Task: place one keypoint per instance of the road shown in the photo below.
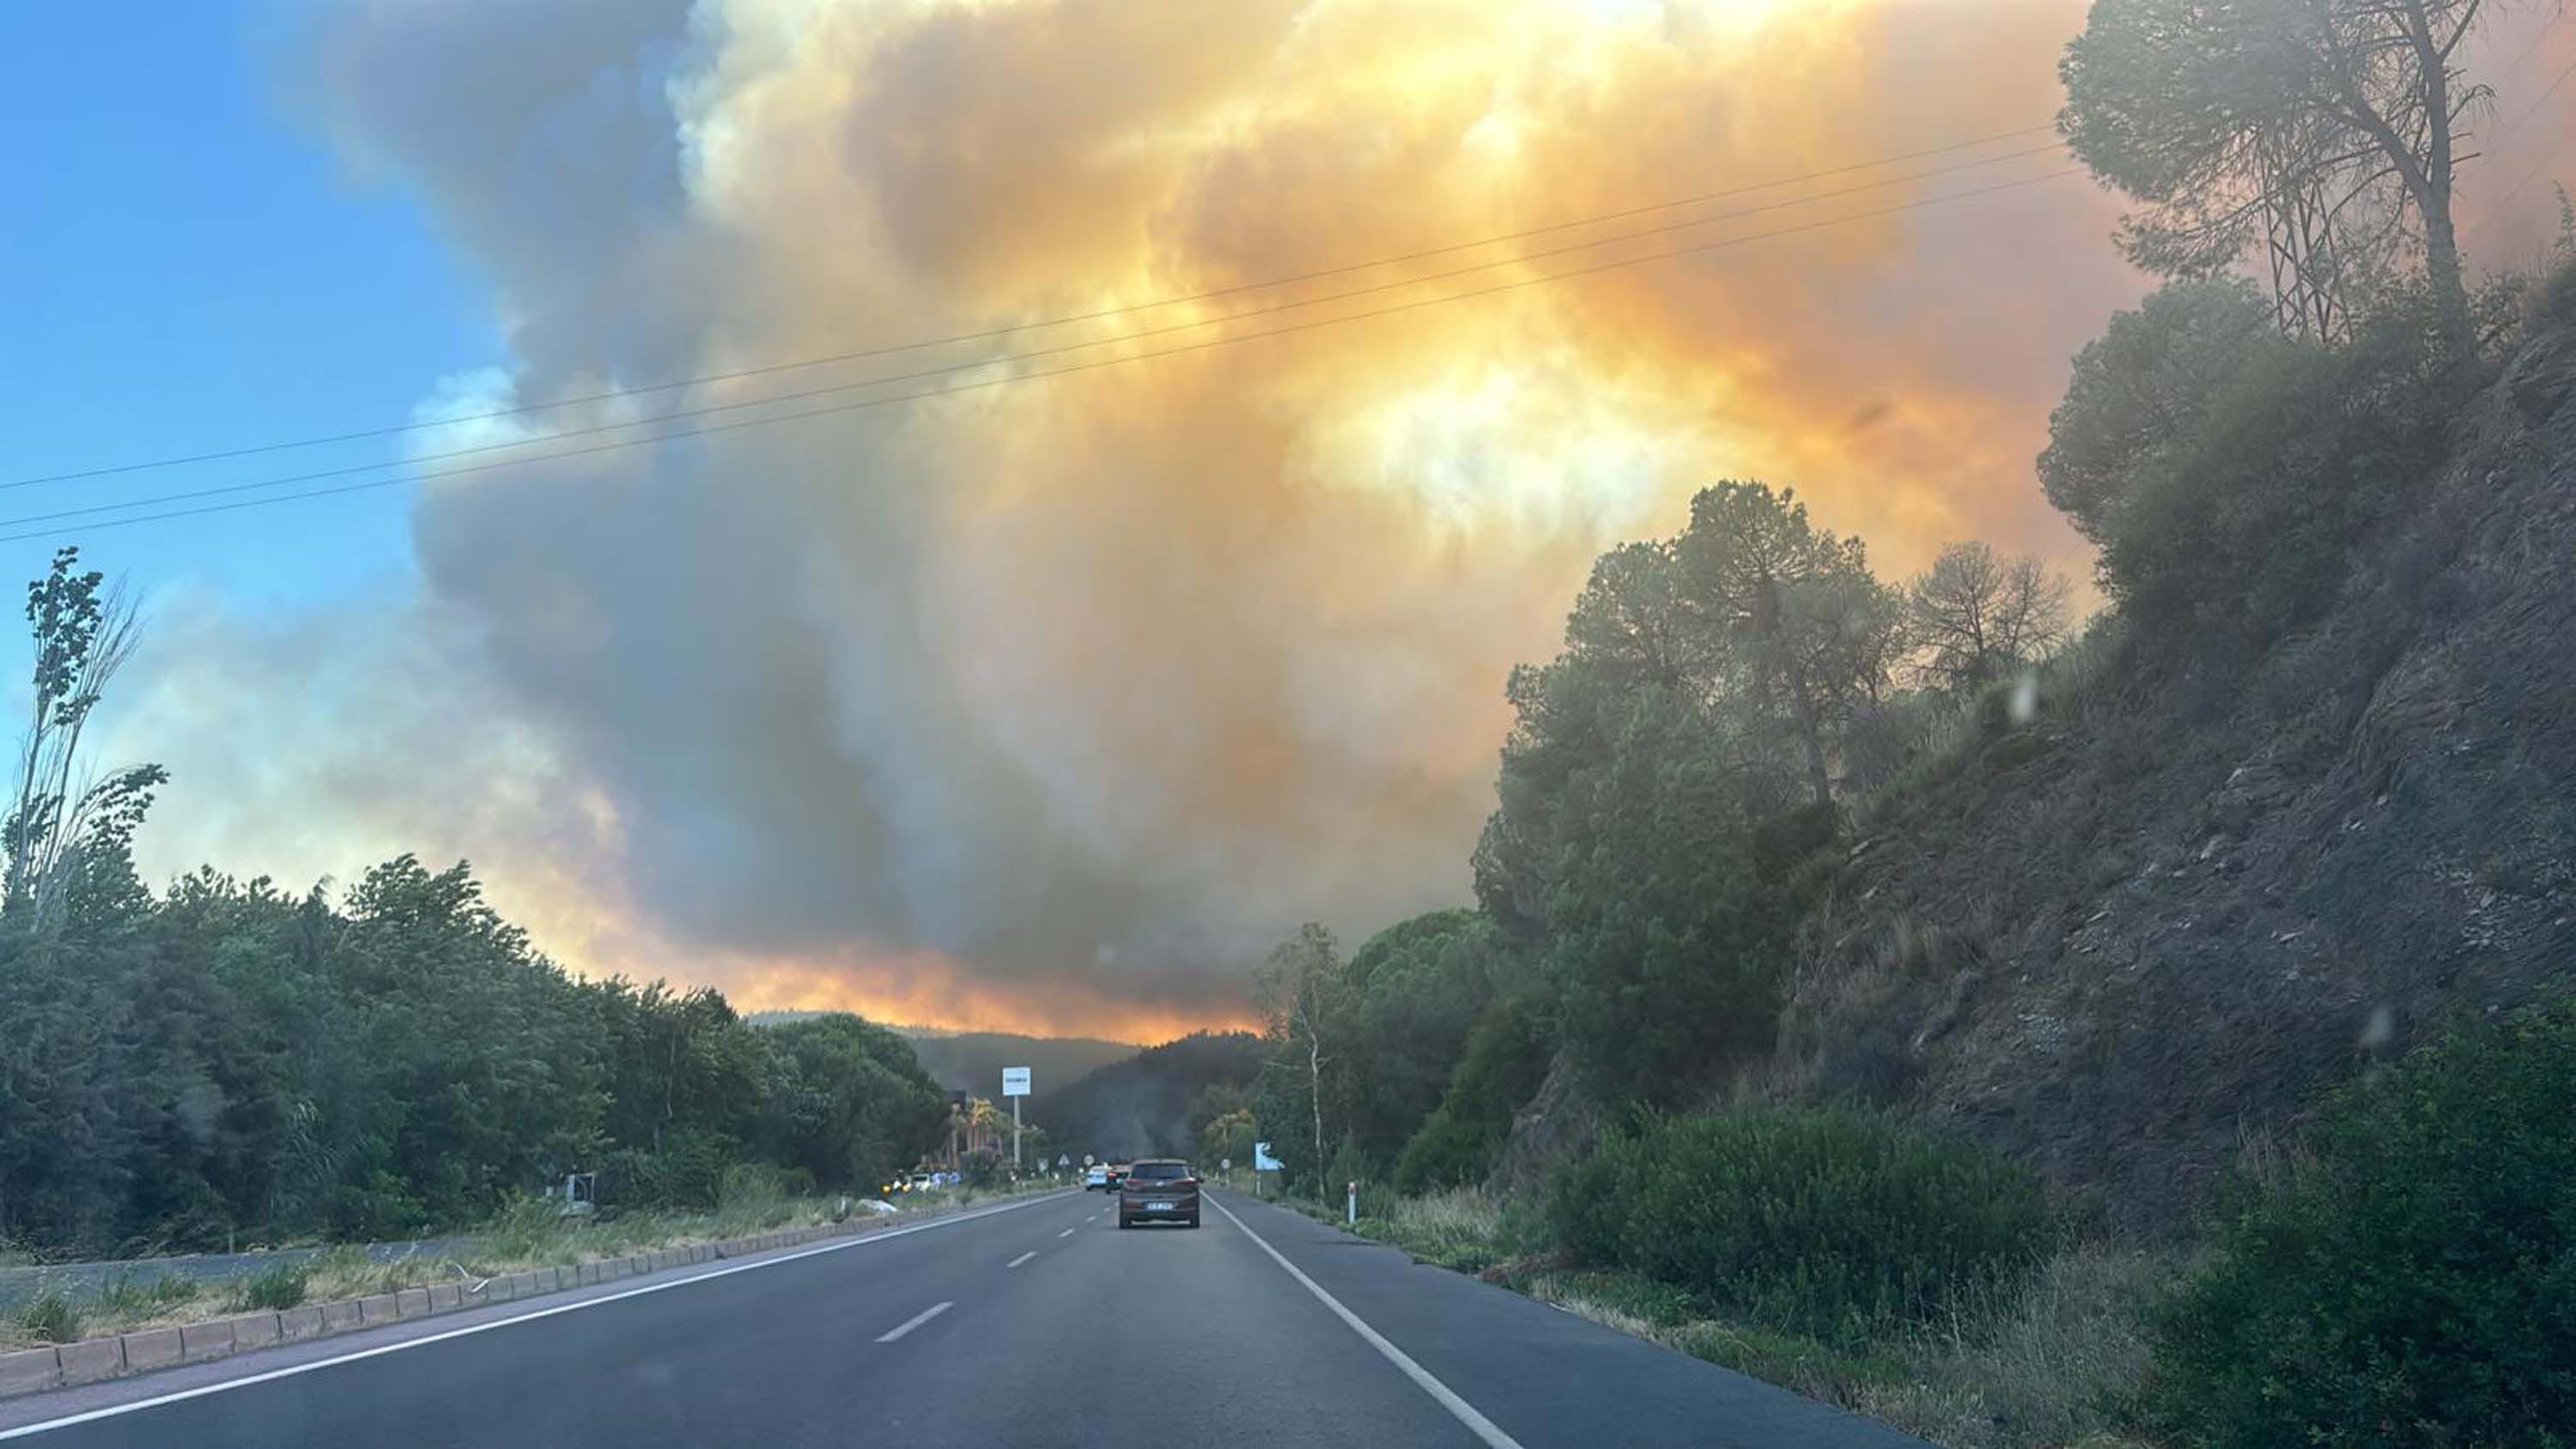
(1032, 1323)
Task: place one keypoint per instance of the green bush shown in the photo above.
(1835, 1223)
(687, 1173)
(2413, 1279)
(2224, 468)
(1500, 1069)
(278, 1286)
(129, 1293)
(1451, 1150)
(51, 1318)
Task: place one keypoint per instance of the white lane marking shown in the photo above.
(1459, 1409)
(1015, 1262)
(113, 1410)
(915, 1321)
(1068, 1232)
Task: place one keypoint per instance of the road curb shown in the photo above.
(124, 1355)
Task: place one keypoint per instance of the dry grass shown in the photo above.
(2046, 1363)
(2049, 1364)
(1461, 1228)
(527, 1237)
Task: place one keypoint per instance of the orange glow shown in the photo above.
(922, 989)
(1180, 650)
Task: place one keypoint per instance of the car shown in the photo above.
(1117, 1172)
(1158, 1190)
(1096, 1176)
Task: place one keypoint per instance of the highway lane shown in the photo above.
(1039, 1324)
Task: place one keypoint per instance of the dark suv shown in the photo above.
(1158, 1190)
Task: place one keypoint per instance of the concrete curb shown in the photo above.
(92, 1360)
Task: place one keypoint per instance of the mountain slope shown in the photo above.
(1141, 1106)
(2160, 917)
(972, 1061)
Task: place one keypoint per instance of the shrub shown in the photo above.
(688, 1172)
(1499, 1070)
(130, 1294)
(2224, 467)
(525, 1228)
(1450, 1150)
(280, 1285)
(1836, 1223)
(2413, 1279)
(51, 1318)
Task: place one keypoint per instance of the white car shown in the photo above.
(1095, 1177)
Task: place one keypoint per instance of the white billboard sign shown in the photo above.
(1262, 1161)
(1015, 1081)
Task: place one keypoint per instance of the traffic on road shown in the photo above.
(979, 1329)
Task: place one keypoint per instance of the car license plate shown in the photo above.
(1158, 1207)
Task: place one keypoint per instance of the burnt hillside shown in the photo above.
(2194, 886)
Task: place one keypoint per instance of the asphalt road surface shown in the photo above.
(1032, 1323)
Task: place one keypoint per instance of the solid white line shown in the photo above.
(113, 1410)
(1015, 1262)
(915, 1321)
(1459, 1409)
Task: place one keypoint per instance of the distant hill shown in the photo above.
(1139, 1107)
(972, 1061)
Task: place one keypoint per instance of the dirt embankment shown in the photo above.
(2161, 916)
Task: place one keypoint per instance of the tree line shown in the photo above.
(1670, 778)
(1678, 788)
(1676, 776)
(225, 1062)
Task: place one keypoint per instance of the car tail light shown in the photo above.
(1188, 1182)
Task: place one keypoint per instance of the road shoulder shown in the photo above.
(1480, 1340)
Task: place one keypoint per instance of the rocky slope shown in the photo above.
(2155, 918)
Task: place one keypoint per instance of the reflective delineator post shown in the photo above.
(1351, 1206)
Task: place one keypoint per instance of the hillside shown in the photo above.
(1142, 1106)
(2117, 941)
(972, 1061)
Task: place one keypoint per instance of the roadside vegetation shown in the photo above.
(225, 1063)
(529, 1233)
(1654, 1074)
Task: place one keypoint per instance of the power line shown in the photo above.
(836, 389)
(2518, 122)
(929, 393)
(2538, 166)
(614, 394)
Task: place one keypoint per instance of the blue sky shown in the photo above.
(186, 267)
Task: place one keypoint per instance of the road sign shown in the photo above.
(1225, 1164)
(1063, 1161)
(1262, 1161)
(1015, 1081)
(1086, 1159)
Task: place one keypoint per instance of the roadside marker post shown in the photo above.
(1351, 1206)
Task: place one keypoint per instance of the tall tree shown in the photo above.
(1803, 633)
(83, 631)
(1300, 992)
(1977, 614)
(2317, 130)
(2142, 391)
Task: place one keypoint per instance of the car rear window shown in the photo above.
(1161, 1170)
